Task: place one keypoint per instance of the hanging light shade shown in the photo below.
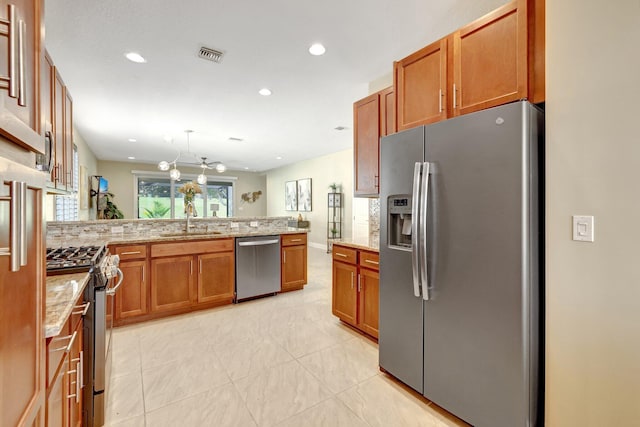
(220, 167)
(202, 179)
(164, 165)
(174, 173)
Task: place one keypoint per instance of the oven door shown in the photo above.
(103, 328)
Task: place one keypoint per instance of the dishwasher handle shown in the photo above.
(259, 242)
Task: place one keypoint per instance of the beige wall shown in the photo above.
(593, 167)
(121, 184)
(336, 167)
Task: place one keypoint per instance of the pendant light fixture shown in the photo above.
(174, 173)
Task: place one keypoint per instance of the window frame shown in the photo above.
(140, 174)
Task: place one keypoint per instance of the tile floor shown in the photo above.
(277, 361)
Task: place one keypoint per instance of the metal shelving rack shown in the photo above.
(335, 201)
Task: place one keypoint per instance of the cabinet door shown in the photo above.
(387, 111)
(369, 301)
(171, 283)
(59, 163)
(420, 82)
(345, 293)
(57, 412)
(22, 344)
(294, 267)
(75, 380)
(216, 277)
(490, 60)
(20, 114)
(366, 145)
(131, 298)
(68, 140)
(46, 103)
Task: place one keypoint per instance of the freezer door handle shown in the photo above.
(415, 220)
(424, 207)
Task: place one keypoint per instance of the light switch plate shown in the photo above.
(583, 228)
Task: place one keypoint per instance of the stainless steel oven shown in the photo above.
(106, 277)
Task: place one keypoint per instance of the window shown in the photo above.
(67, 206)
(158, 197)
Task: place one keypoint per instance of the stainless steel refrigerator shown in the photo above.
(460, 278)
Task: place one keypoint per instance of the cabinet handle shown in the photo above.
(130, 253)
(376, 181)
(71, 339)
(143, 269)
(352, 280)
(296, 240)
(17, 218)
(22, 34)
(454, 96)
(440, 100)
(200, 268)
(84, 307)
(284, 257)
(339, 254)
(76, 382)
(359, 276)
(191, 267)
(371, 262)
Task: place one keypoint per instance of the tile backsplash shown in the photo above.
(374, 220)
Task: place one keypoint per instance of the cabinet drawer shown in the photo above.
(191, 247)
(130, 252)
(369, 260)
(294, 239)
(344, 254)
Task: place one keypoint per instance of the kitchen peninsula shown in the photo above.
(169, 271)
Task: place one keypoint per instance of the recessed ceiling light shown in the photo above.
(233, 138)
(131, 158)
(135, 57)
(132, 140)
(317, 49)
(278, 158)
(264, 91)
(339, 128)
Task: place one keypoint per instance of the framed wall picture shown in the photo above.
(290, 196)
(304, 195)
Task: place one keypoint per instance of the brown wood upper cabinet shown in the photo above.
(421, 86)
(490, 60)
(20, 49)
(374, 117)
(496, 59)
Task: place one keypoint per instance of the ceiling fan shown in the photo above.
(175, 173)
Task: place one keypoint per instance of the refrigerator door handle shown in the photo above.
(424, 206)
(415, 220)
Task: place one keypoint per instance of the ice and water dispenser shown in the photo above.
(399, 222)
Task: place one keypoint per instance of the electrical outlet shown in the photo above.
(253, 224)
(235, 225)
(117, 230)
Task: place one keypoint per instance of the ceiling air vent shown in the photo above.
(210, 54)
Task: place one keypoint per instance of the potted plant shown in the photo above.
(190, 189)
(107, 209)
(333, 186)
(334, 232)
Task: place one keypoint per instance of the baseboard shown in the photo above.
(318, 245)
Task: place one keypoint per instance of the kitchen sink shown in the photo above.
(190, 233)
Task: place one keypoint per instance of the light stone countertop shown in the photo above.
(364, 244)
(154, 237)
(62, 293)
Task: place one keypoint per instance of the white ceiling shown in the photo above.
(266, 45)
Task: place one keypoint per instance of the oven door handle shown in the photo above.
(112, 291)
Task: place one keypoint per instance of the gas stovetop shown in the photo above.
(74, 259)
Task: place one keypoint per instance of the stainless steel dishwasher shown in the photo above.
(257, 266)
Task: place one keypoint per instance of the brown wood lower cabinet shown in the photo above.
(171, 283)
(294, 261)
(216, 277)
(355, 298)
